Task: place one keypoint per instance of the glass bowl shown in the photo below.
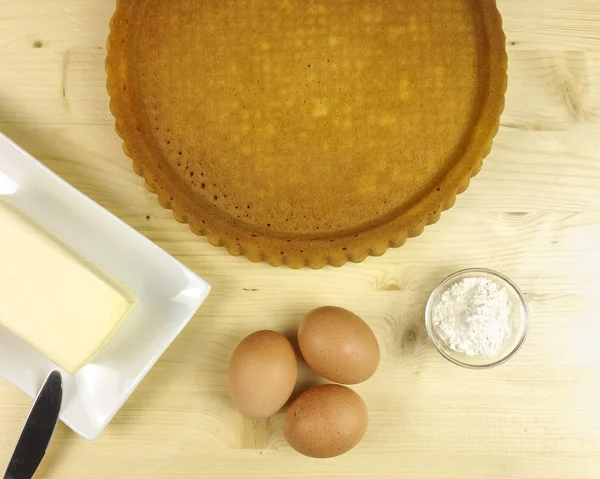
(519, 319)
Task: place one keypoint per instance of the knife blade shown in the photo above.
(38, 430)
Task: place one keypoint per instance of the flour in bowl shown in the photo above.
(473, 317)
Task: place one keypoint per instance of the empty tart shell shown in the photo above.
(307, 133)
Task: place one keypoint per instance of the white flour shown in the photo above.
(473, 317)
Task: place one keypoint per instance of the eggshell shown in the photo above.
(338, 345)
(262, 374)
(326, 421)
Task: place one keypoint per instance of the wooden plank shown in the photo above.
(553, 25)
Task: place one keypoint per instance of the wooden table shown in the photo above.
(533, 213)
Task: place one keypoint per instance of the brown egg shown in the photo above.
(326, 421)
(262, 374)
(338, 345)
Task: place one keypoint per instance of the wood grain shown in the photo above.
(533, 213)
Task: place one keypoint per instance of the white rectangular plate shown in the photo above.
(168, 293)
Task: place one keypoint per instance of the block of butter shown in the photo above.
(52, 297)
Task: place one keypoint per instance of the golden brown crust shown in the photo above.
(298, 251)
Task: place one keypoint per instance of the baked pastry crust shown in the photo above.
(370, 119)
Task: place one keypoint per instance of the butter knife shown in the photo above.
(38, 430)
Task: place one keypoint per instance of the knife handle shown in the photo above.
(38, 430)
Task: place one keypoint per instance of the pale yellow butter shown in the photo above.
(52, 298)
